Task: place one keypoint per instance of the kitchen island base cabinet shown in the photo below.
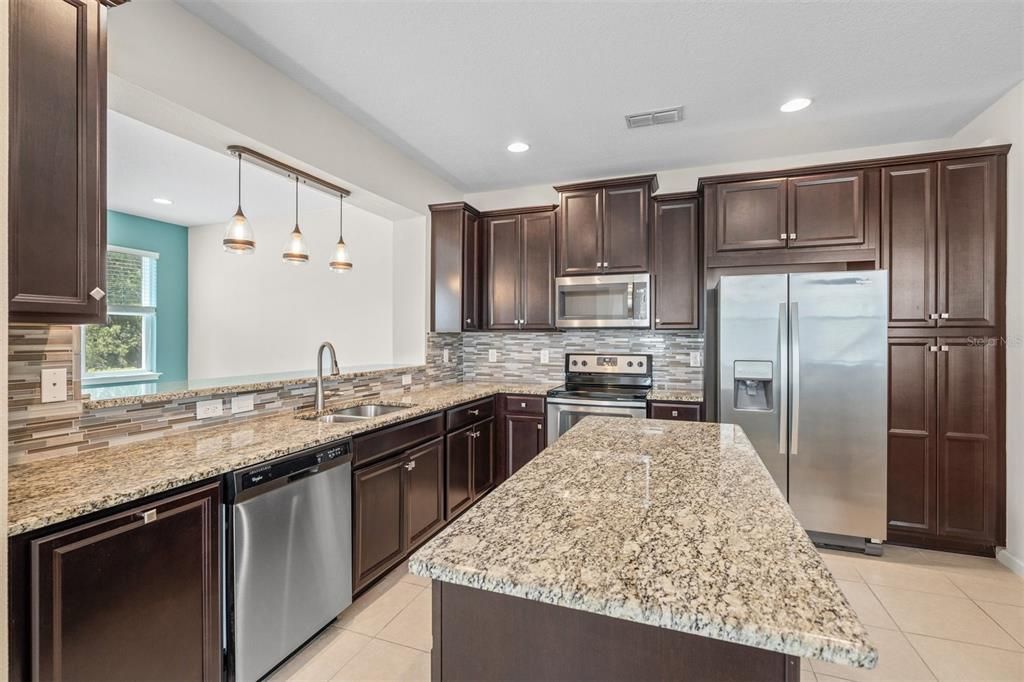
(481, 635)
(132, 596)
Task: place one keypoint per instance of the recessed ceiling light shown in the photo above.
(162, 201)
(795, 105)
(518, 147)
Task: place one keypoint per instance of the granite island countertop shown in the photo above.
(671, 524)
(54, 490)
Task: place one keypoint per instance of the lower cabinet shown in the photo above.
(690, 412)
(944, 478)
(524, 439)
(132, 596)
(424, 491)
(471, 465)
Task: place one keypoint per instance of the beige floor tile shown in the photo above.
(411, 627)
(829, 678)
(1011, 618)
(938, 615)
(907, 577)
(805, 664)
(1002, 589)
(342, 647)
(842, 567)
(304, 655)
(375, 609)
(417, 580)
(965, 563)
(866, 604)
(380, 660)
(953, 661)
(897, 660)
(807, 675)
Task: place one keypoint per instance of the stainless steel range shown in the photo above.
(596, 384)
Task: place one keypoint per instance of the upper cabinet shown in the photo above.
(751, 215)
(825, 210)
(604, 226)
(678, 283)
(57, 183)
(519, 260)
(943, 226)
(456, 268)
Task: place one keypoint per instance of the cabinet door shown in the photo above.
(503, 271)
(126, 598)
(751, 215)
(459, 471)
(484, 469)
(524, 439)
(625, 229)
(826, 209)
(424, 491)
(968, 398)
(908, 243)
(58, 110)
(472, 273)
(579, 233)
(537, 231)
(677, 289)
(967, 234)
(912, 464)
(379, 540)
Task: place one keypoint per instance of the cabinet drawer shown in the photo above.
(374, 446)
(689, 412)
(525, 404)
(469, 413)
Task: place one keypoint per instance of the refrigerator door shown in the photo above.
(752, 364)
(837, 463)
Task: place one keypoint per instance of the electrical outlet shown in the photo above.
(545, 357)
(243, 403)
(492, 355)
(696, 358)
(444, 356)
(54, 385)
(209, 408)
(406, 379)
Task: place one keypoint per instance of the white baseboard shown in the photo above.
(1012, 562)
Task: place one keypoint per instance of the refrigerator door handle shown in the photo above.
(782, 379)
(794, 340)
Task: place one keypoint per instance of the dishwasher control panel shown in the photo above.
(308, 461)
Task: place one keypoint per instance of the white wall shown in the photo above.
(1001, 123)
(257, 315)
(410, 287)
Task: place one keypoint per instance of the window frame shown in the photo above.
(148, 315)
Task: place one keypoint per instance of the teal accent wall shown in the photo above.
(171, 242)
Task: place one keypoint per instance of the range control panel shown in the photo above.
(594, 363)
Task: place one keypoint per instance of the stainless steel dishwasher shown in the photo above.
(290, 564)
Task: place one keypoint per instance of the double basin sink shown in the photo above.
(359, 413)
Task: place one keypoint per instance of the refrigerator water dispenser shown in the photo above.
(753, 388)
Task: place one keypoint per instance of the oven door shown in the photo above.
(563, 415)
(603, 301)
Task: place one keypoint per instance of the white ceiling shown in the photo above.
(453, 83)
(144, 162)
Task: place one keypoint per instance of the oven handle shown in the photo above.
(597, 403)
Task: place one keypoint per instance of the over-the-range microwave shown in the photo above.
(603, 301)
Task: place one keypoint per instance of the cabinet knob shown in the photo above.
(522, 404)
(540, 427)
(148, 516)
(933, 349)
(604, 264)
(944, 316)
(792, 235)
(933, 316)
(782, 236)
(598, 263)
(944, 349)
(469, 320)
(657, 320)
(410, 466)
(97, 293)
(675, 413)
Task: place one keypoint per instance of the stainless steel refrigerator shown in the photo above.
(802, 367)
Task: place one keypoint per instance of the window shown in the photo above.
(124, 349)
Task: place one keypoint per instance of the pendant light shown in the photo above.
(295, 251)
(340, 262)
(238, 236)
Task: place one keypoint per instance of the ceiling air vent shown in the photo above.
(653, 118)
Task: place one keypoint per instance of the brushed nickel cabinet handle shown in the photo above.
(148, 516)
(474, 412)
(97, 293)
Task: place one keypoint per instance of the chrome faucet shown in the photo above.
(319, 400)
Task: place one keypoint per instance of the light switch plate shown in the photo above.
(209, 408)
(444, 356)
(243, 403)
(406, 379)
(696, 358)
(545, 357)
(492, 355)
(54, 385)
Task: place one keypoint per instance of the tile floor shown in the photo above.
(932, 615)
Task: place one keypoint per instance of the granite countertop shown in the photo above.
(672, 524)
(55, 490)
(678, 395)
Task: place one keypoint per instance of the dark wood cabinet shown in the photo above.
(524, 440)
(520, 263)
(459, 471)
(424, 491)
(908, 243)
(484, 469)
(379, 538)
(131, 596)
(678, 281)
(456, 268)
(684, 412)
(825, 209)
(751, 215)
(57, 203)
(604, 226)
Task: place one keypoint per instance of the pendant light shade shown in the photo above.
(295, 251)
(340, 262)
(238, 236)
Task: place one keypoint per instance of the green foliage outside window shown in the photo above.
(118, 345)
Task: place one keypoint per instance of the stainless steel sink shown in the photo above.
(360, 412)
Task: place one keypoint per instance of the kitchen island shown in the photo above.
(636, 549)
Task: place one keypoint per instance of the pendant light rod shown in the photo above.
(280, 168)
